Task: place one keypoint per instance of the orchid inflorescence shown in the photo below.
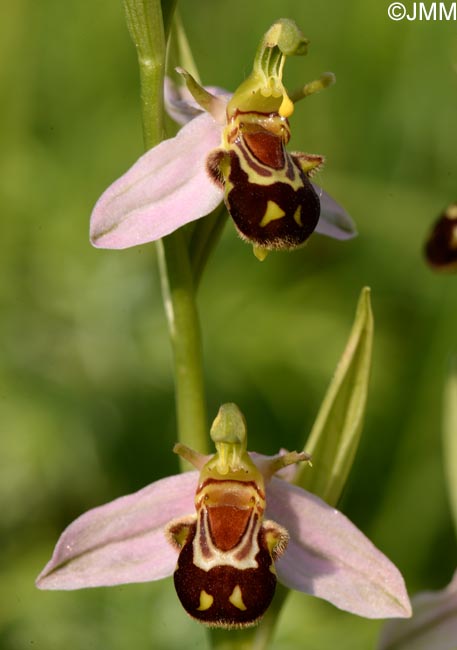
(238, 523)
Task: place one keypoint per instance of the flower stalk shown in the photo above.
(145, 23)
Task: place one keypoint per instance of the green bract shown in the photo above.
(336, 432)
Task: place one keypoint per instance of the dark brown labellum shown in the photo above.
(225, 575)
(267, 191)
(225, 596)
(275, 216)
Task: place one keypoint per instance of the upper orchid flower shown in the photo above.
(229, 555)
(232, 149)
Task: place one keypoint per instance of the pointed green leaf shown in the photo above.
(450, 436)
(335, 436)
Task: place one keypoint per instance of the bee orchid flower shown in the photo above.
(227, 532)
(230, 148)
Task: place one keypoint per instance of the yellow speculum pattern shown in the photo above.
(236, 598)
(297, 216)
(206, 600)
(272, 213)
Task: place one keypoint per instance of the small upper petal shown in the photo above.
(179, 103)
(181, 106)
(165, 189)
(334, 221)
(122, 541)
(329, 557)
(432, 626)
(263, 462)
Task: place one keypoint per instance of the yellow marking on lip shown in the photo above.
(236, 598)
(272, 213)
(206, 600)
(297, 216)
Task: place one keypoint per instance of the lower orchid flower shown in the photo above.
(231, 149)
(208, 528)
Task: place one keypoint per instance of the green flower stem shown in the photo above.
(145, 23)
(264, 633)
(232, 639)
(205, 236)
(252, 638)
(183, 325)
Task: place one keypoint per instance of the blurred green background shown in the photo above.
(87, 407)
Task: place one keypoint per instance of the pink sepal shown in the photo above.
(122, 541)
(165, 189)
(334, 221)
(330, 558)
